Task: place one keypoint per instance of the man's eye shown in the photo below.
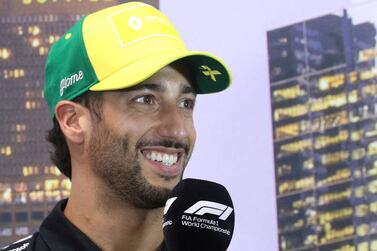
(146, 99)
(187, 104)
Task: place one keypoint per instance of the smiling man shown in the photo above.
(121, 88)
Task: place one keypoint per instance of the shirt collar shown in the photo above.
(61, 235)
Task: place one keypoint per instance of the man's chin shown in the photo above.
(165, 181)
(152, 197)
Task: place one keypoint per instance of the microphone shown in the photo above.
(198, 216)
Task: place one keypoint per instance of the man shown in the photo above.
(121, 89)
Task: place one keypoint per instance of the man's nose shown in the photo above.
(173, 125)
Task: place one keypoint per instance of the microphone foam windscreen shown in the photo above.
(198, 216)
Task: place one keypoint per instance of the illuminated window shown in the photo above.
(373, 207)
(353, 96)
(288, 93)
(53, 196)
(287, 131)
(362, 230)
(51, 184)
(329, 216)
(295, 185)
(6, 150)
(360, 192)
(368, 74)
(353, 77)
(36, 196)
(329, 101)
(43, 51)
(35, 42)
(372, 187)
(334, 197)
(20, 127)
(13, 73)
(308, 164)
(333, 158)
(66, 184)
(290, 112)
(30, 170)
(331, 82)
(367, 54)
(333, 234)
(292, 130)
(342, 174)
(34, 30)
(372, 148)
(329, 121)
(373, 171)
(361, 210)
(5, 53)
(20, 30)
(294, 147)
(356, 135)
(369, 90)
(373, 245)
(363, 246)
(324, 141)
(358, 153)
(5, 193)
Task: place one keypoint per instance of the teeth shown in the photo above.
(166, 159)
(159, 157)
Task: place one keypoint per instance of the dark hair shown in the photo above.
(60, 155)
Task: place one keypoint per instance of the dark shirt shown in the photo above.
(56, 233)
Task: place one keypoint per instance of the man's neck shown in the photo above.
(113, 224)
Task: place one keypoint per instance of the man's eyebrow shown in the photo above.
(188, 89)
(185, 89)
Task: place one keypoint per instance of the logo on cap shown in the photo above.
(69, 81)
(140, 22)
(135, 23)
(207, 71)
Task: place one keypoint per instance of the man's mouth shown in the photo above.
(168, 159)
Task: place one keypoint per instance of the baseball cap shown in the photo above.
(119, 47)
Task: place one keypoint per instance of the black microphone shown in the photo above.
(198, 216)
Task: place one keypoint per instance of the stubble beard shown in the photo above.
(118, 167)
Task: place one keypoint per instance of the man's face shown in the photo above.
(145, 138)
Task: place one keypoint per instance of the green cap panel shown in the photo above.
(69, 72)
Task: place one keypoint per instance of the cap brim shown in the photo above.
(210, 73)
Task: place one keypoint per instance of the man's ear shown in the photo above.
(72, 118)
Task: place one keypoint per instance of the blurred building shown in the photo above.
(29, 184)
(324, 112)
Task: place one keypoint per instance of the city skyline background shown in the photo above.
(323, 88)
(237, 124)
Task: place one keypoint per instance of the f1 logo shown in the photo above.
(208, 207)
(168, 204)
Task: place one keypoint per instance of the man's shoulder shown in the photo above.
(21, 245)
